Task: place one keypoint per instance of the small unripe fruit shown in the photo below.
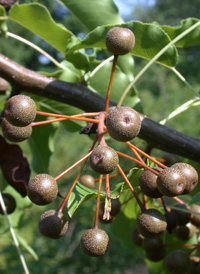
(87, 180)
(94, 242)
(115, 209)
(42, 189)
(190, 174)
(123, 123)
(53, 224)
(178, 261)
(183, 217)
(120, 41)
(152, 245)
(15, 134)
(185, 232)
(9, 202)
(171, 182)
(151, 223)
(156, 256)
(20, 110)
(195, 218)
(104, 159)
(148, 183)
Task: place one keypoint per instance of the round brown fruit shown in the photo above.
(178, 261)
(148, 183)
(104, 159)
(87, 180)
(20, 110)
(53, 224)
(151, 223)
(10, 203)
(171, 182)
(42, 189)
(123, 123)
(190, 174)
(120, 41)
(15, 134)
(94, 242)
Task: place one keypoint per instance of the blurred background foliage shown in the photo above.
(160, 92)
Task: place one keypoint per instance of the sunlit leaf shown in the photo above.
(191, 39)
(94, 13)
(37, 19)
(150, 39)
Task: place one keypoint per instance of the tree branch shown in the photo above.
(79, 95)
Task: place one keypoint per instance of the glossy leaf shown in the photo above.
(150, 39)
(37, 19)
(193, 38)
(93, 13)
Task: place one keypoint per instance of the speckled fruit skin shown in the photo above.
(87, 180)
(42, 189)
(123, 123)
(104, 159)
(151, 223)
(9, 202)
(20, 110)
(94, 242)
(178, 261)
(171, 182)
(120, 41)
(15, 134)
(148, 183)
(190, 174)
(53, 224)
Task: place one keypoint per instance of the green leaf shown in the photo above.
(134, 176)
(193, 38)
(195, 199)
(120, 82)
(41, 146)
(122, 228)
(69, 74)
(94, 13)
(79, 59)
(82, 193)
(150, 39)
(37, 19)
(3, 25)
